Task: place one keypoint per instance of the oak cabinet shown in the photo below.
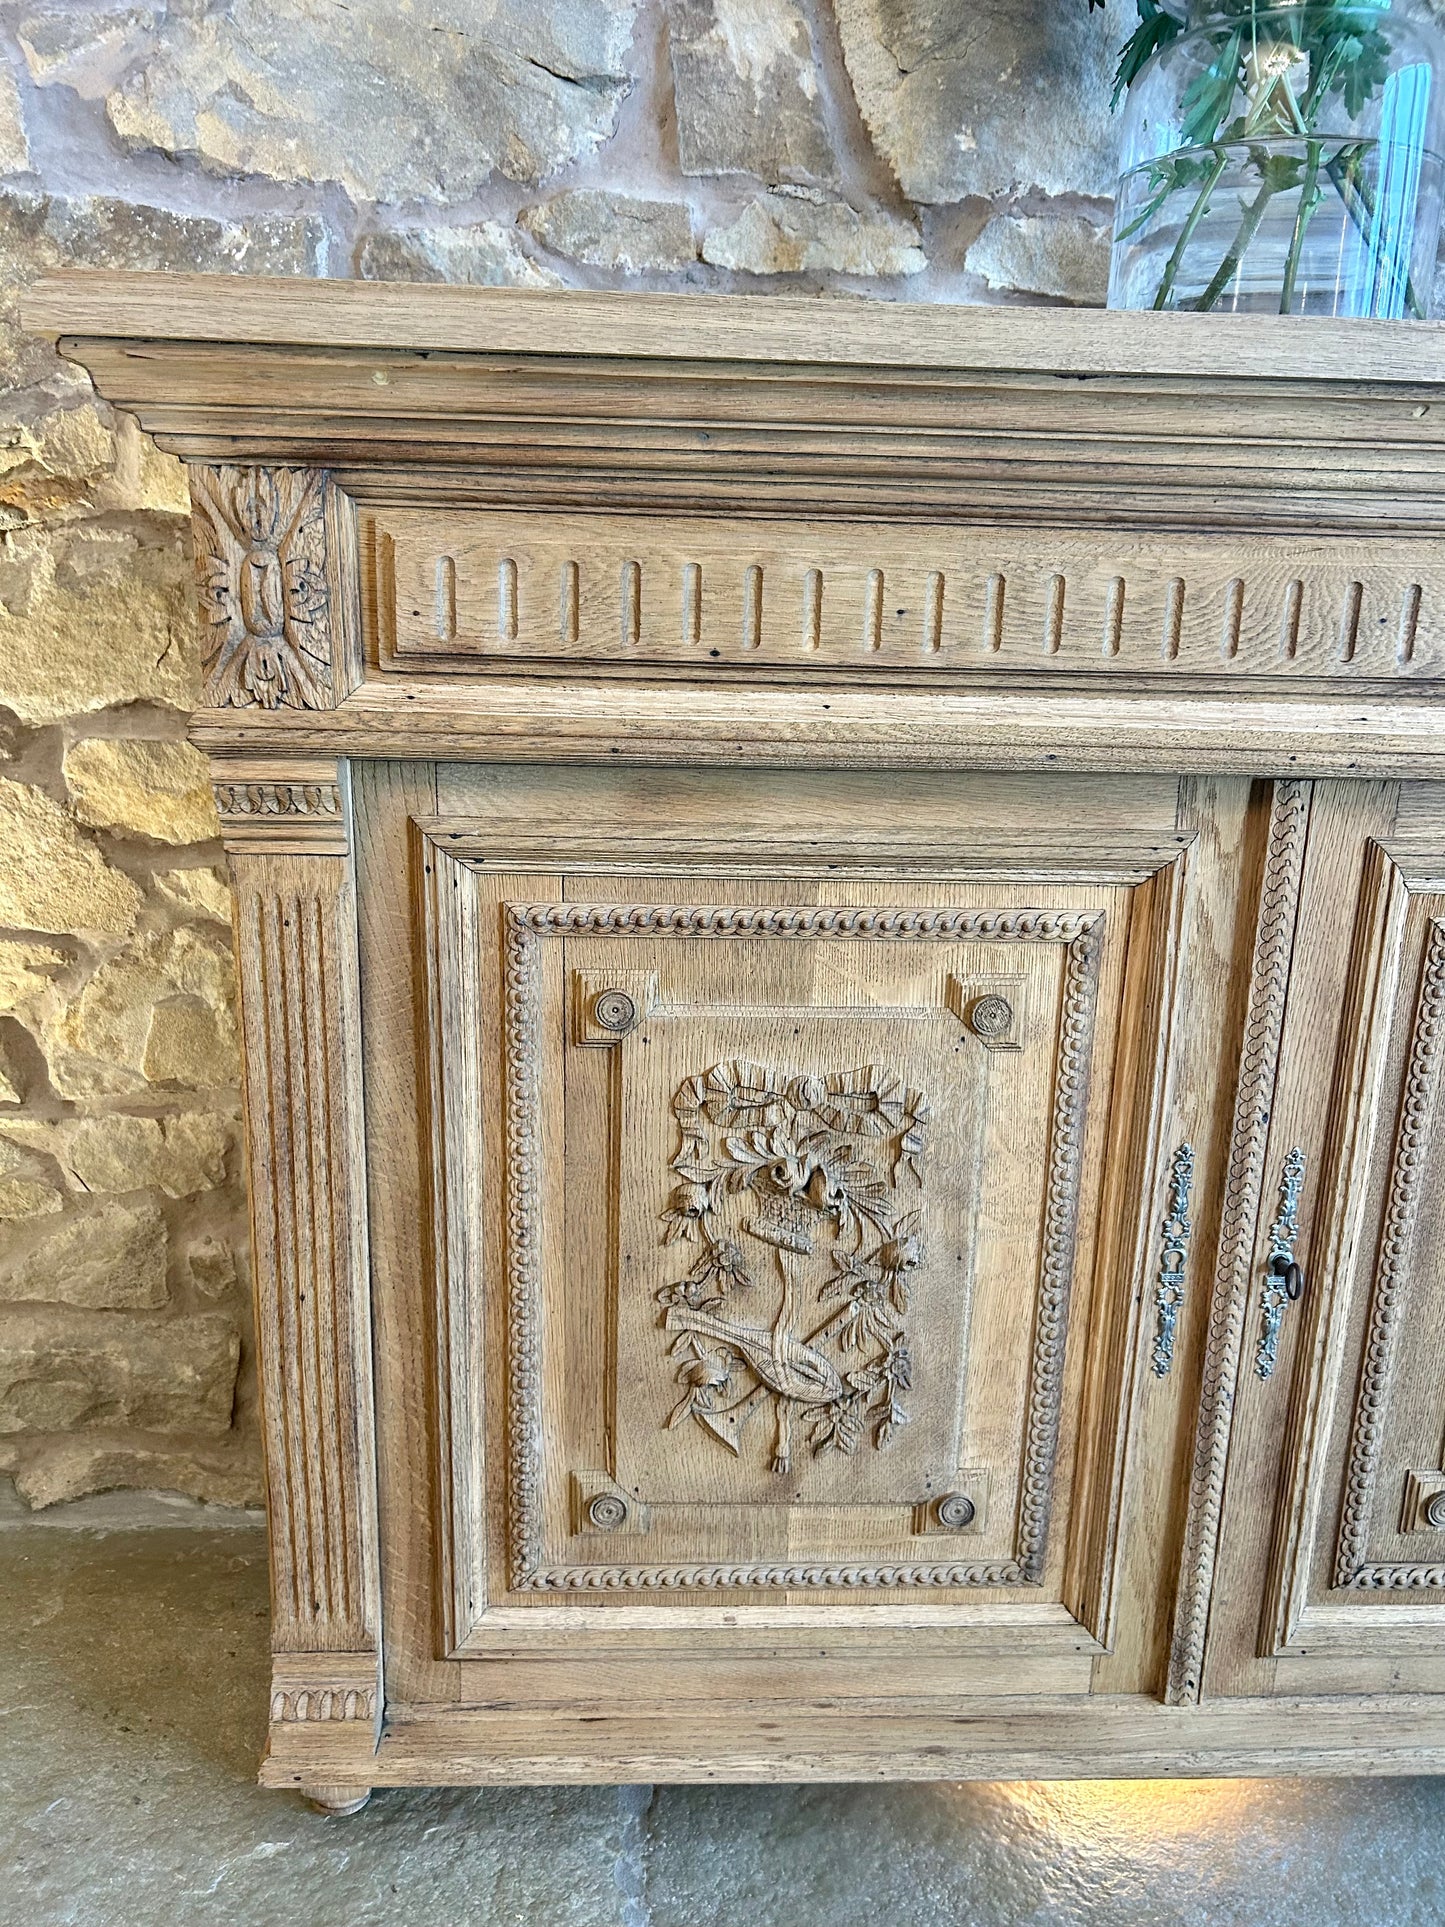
(841, 925)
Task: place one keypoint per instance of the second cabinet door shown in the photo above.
(1334, 1575)
(801, 1148)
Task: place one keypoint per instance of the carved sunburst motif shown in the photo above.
(796, 1183)
(260, 536)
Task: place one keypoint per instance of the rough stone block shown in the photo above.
(211, 1267)
(188, 1047)
(53, 465)
(14, 146)
(795, 233)
(1056, 254)
(27, 1198)
(71, 1468)
(64, 1370)
(617, 231)
(179, 1155)
(110, 1259)
(66, 40)
(65, 651)
(996, 97)
(117, 1152)
(483, 254)
(160, 790)
(392, 105)
(160, 1011)
(54, 877)
(27, 978)
(203, 892)
(748, 92)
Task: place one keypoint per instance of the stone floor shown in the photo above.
(134, 1676)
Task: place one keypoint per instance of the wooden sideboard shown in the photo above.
(841, 916)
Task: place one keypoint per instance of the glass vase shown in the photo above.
(1283, 159)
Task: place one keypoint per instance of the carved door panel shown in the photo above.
(1340, 1494)
(793, 1192)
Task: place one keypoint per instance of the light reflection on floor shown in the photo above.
(1146, 1812)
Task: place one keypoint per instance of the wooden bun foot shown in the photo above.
(337, 1801)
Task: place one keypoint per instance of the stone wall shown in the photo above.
(954, 150)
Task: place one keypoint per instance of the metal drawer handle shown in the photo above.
(1284, 1279)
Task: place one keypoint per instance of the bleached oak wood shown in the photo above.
(1124, 1737)
(256, 311)
(295, 926)
(546, 722)
(946, 808)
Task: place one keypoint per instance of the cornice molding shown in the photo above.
(914, 413)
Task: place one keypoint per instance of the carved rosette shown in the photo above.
(265, 606)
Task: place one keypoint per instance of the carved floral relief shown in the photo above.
(260, 539)
(799, 1194)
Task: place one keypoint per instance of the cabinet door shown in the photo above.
(798, 1149)
(1338, 1499)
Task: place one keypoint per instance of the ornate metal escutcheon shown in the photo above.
(1173, 1255)
(1284, 1280)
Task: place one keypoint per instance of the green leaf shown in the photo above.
(1157, 27)
(1210, 94)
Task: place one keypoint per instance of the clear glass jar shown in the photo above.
(1284, 159)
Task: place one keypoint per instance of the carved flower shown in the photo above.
(721, 1268)
(768, 1160)
(705, 1373)
(691, 1204)
(871, 1313)
(838, 1427)
(822, 1171)
(901, 1253)
(729, 1266)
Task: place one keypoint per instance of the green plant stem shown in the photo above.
(1308, 201)
(1238, 248)
(1186, 234)
(1354, 194)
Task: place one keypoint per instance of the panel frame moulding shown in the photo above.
(1346, 1621)
(444, 855)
